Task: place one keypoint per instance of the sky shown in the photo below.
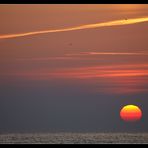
(72, 67)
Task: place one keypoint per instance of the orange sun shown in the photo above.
(131, 113)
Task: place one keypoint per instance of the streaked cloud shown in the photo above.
(84, 56)
(81, 27)
(108, 53)
(115, 79)
(48, 58)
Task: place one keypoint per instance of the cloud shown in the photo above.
(84, 56)
(115, 79)
(87, 26)
(108, 53)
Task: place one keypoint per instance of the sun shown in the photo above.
(130, 113)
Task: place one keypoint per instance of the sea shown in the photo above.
(74, 138)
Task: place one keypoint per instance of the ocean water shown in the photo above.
(75, 138)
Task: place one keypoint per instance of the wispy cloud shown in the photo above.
(108, 53)
(48, 58)
(84, 56)
(121, 79)
(87, 26)
(120, 70)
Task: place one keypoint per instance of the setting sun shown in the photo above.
(131, 113)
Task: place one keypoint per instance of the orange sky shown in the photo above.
(72, 67)
(83, 42)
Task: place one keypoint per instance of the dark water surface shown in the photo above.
(74, 138)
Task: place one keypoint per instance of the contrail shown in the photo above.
(88, 26)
